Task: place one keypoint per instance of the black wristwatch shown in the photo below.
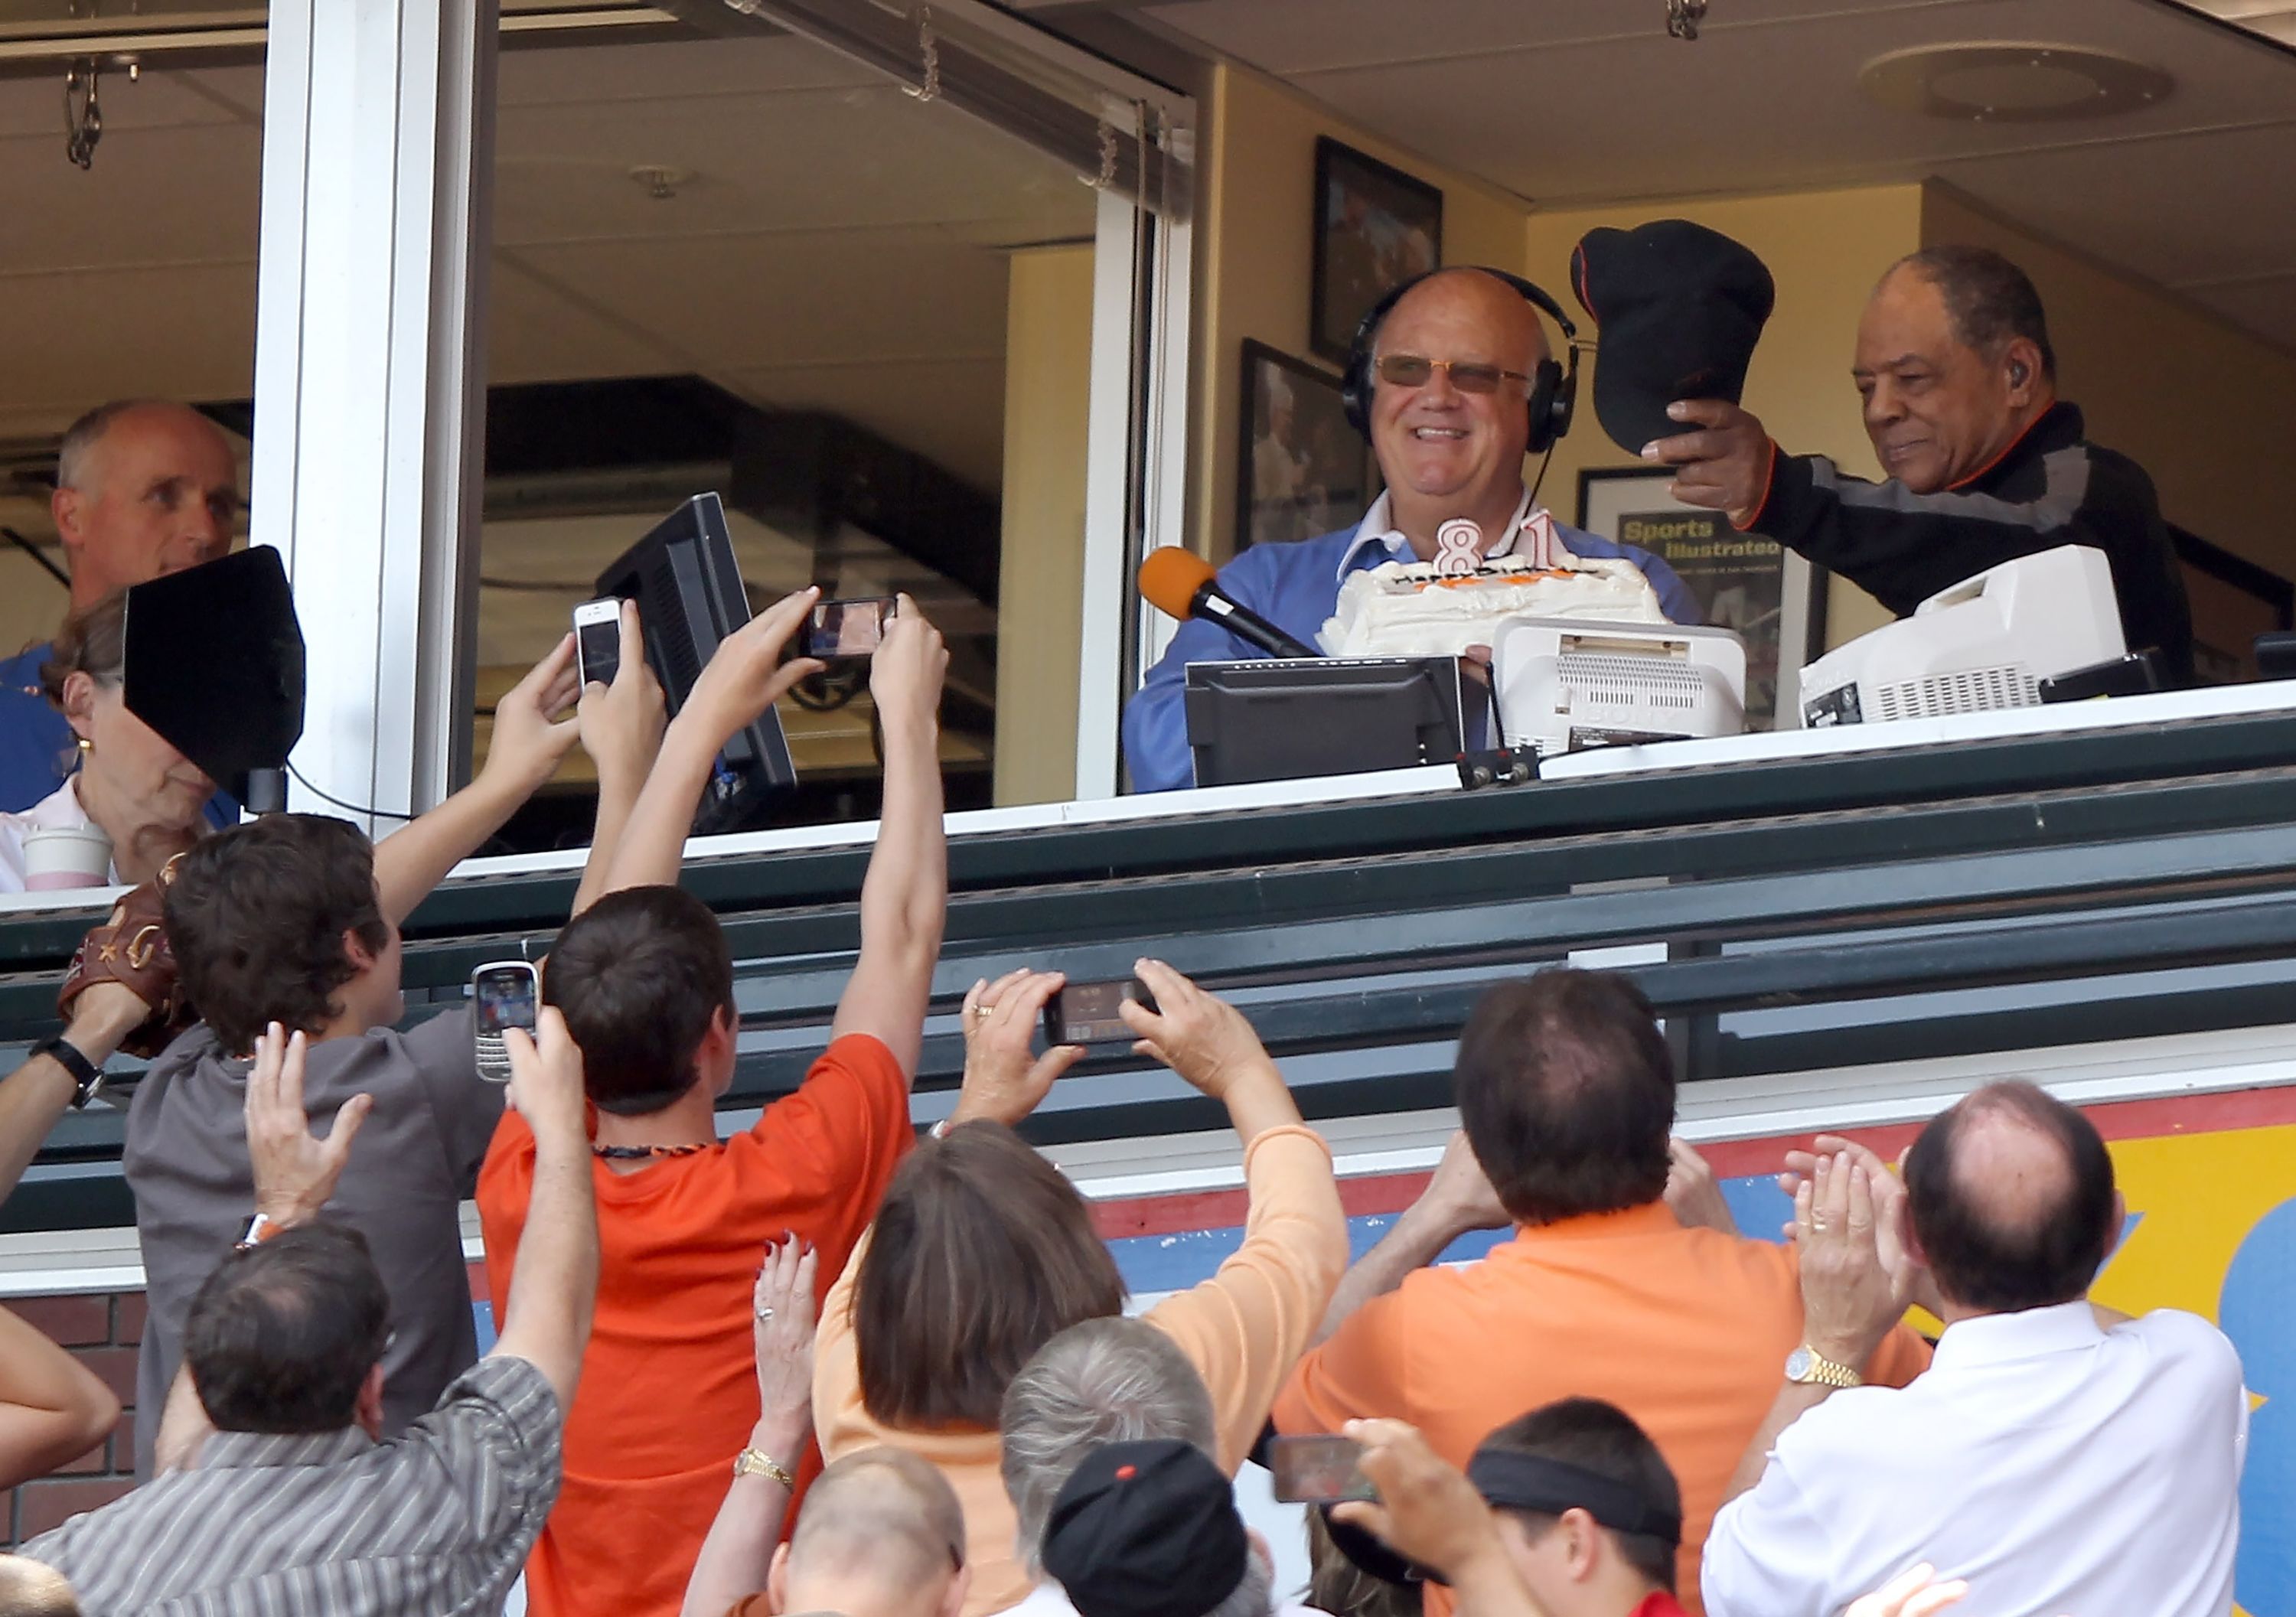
(86, 1073)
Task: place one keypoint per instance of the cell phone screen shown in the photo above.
(1088, 1014)
(1318, 1470)
(847, 628)
(598, 649)
(505, 999)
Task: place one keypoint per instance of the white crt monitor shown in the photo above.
(1567, 683)
(1986, 642)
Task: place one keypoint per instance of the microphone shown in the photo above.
(1181, 583)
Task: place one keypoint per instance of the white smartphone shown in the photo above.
(504, 994)
(598, 640)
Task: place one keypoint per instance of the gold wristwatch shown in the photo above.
(757, 1463)
(1810, 1368)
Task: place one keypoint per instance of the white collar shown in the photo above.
(1378, 527)
(60, 810)
(1985, 1339)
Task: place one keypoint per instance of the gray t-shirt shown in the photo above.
(415, 1160)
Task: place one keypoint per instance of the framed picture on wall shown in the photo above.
(1300, 469)
(1375, 225)
(1774, 598)
(2234, 601)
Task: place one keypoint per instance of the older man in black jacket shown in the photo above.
(1985, 462)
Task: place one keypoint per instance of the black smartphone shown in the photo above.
(1086, 1013)
(505, 994)
(1318, 1470)
(842, 630)
(598, 640)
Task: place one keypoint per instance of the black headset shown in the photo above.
(1553, 390)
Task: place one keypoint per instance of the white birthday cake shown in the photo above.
(1414, 609)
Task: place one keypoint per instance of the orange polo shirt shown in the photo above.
(1686, 1330)
(670, 1382)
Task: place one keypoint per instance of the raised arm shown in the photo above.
(740, 1547)
(51, 1409)
(905, 896)
(37, 1093)
(1430, 1515)
(621, 728)
(556, 1286)
(744, 678)
(524, 752)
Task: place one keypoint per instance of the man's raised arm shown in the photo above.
(555, 1285)
(744, 678)
(527, 743)
(905, 896)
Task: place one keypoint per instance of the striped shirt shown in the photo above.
(437, 1521)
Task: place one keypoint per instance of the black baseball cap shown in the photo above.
(1146, 1530)
(1678, 308)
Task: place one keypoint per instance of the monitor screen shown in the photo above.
(1288, 718)
(689, 593)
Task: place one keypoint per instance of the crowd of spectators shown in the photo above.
(825, 1365)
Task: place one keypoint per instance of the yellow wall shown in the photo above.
(1047, 385)
(2201, 407)
(1824, 250)
(1255, 254)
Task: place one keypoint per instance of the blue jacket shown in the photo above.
(1295, 587)
(36, 742)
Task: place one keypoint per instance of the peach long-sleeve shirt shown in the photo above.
(1243, 1329)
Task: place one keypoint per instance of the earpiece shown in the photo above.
(2017, 373)
(1553, 390)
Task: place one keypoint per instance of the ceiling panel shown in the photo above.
(73, 341)
(739, 303)
(797, 159)
(35, 106)
(681, 71)
(537, 332)
(2266, 305)
(191, 193)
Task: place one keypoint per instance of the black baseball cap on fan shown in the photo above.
(1678, 308)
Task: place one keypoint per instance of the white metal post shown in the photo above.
(368, 378)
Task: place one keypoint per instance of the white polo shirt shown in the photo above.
(2058, 1466)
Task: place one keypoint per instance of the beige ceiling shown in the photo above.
(1570, 101)
(836, 245)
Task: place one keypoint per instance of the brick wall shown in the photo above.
(101, 1331)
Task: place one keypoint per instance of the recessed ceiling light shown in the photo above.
(2007, 82)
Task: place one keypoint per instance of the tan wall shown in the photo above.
(1047, 385)
(1824, 250)
(1255, 256)
(2201, 406)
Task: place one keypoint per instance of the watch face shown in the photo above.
(1797, 1365)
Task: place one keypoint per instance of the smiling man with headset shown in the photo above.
(1451, 380)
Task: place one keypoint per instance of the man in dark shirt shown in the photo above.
(1985, 463)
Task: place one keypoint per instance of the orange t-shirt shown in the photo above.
(1686, 1330)
(670, 1385)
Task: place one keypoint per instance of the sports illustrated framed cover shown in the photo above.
(1300, 469)
(1774, 598)
(1375, 225)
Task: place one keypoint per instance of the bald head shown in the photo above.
(30, 1589)
(1443, 451)
(143, 487)
(2012, 1197)
(881, 1535)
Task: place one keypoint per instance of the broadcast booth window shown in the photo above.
(742, 257)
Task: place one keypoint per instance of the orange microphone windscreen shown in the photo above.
(1169, 579)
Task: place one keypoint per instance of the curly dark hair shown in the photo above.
(257, 916)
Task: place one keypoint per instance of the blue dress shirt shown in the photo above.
(1295, 587)
(37, 743)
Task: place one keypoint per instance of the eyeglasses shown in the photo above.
(1467, 375)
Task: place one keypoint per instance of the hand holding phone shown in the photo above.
(504, 994)
(1319, 1470)
(846, 630)
(1086, 1013)
(598, 640)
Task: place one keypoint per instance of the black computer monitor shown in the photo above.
(689, 593)
(1287, 718)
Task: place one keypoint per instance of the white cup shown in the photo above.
(66, 856)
